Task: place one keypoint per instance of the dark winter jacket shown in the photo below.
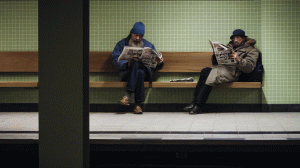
(122, 65)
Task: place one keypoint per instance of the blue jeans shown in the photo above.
(135, 78)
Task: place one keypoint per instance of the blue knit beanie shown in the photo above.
(238, 32)
(138, 28)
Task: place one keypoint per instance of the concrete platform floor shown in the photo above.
(167, 139)
(168, 126)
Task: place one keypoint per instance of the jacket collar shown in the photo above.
(127, 41)
(248, 42)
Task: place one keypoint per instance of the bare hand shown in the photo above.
(235, 56)
(159, 60)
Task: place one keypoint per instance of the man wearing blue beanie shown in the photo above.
(133, 72)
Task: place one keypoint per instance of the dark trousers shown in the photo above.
(135, 80)
(202, 90)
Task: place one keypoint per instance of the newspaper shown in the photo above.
(221, 52)
(189, 79)
(145, 55)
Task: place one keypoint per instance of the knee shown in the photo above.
(205, 72)
(134, 65)
(140, 73)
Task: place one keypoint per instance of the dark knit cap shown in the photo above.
(238, 32)
(138, 28)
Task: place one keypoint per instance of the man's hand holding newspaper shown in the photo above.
(234, 55)
(159, 60)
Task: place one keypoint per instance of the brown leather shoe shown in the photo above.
(124, 101)
(137, 110)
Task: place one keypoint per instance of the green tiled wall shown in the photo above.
(173, 26)
(19, 25)
(280, 47)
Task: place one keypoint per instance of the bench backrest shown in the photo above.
(27, 61)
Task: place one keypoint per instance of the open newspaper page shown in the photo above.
(145, 55)
(222, 53)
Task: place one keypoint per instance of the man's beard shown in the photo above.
(132, 44)
(236, 45)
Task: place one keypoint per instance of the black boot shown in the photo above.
(189, 107)
(201, 98)
(196, 110)
(201, 92)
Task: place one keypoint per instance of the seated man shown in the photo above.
(246, 56)
(134, 72)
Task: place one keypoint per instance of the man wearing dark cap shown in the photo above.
(246, 56)
(133, 72)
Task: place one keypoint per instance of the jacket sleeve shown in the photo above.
(248, 62)
(122, 64)
(160, 66)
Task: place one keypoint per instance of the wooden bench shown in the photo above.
(100, 62)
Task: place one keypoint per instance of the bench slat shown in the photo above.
(194, 84)
(186, 61)
(112, 84)
(99, 84)
(101, 61)
(18, 84)
(174, 61)
(174, 84)
(27, 61)
(240, 85)
(14, 61)
(116, 84)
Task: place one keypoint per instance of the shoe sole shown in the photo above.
(123, 103)
(187, 109)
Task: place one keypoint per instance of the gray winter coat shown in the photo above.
(230, 73)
